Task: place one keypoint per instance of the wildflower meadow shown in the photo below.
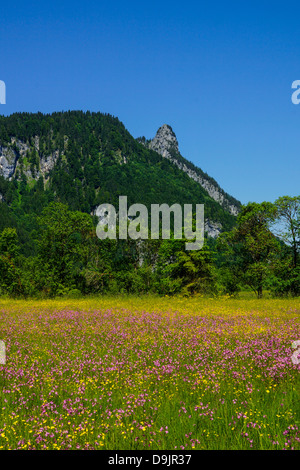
(149, 374)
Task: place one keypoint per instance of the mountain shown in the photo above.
(85, 159)
(166, 144)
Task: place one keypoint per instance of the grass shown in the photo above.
(149, 373)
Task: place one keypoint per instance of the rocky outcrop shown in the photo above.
(213, 229)
(8, 161)
(47, 163)
(165, 143)
(12, 157)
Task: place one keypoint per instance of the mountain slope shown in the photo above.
(166, 144)
(86, 159)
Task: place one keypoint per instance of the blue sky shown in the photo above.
(220, 73)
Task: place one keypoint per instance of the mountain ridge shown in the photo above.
(166, 144)
(86, 159)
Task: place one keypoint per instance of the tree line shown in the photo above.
(260, 252)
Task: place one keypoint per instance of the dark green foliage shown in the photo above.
(48, 242)
(10, 274)
(252, 244)
(285, 280)
(64, 247)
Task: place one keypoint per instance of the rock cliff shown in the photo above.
(166, 144)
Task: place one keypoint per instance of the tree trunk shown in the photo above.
(260, 292)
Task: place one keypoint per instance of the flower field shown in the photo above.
(149, 373)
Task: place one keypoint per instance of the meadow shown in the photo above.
(149, 373)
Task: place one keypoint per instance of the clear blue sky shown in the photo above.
(219, 73)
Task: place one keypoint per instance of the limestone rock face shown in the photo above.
(8, 160)
(12, 153)
(165, 143)
(48, 162)
(213, 229)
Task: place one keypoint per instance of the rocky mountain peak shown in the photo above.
(165, 141)
(166, 144)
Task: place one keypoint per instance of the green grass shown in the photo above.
(149, 373)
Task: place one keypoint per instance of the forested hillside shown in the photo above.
(55, 170)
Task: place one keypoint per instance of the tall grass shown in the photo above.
(149, 373)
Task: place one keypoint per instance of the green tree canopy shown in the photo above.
(253, 243)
